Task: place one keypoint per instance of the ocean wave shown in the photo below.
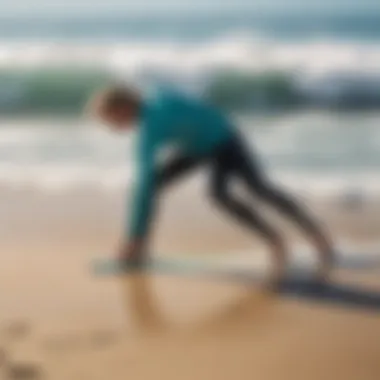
(48, 91)
(236, 72)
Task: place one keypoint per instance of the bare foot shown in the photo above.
(137, 262)
(326, 259)
(278, 271)
(132, 255)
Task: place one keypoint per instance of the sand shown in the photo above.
(57, 321)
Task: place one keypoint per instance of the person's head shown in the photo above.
(117, 106)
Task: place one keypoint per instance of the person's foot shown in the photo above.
(133, 262)
(326, 259)
(131, 255)
(323, 273)
(275, 280)
(278, 271)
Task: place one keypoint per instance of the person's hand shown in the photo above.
(131, 252)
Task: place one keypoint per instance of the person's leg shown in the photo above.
(258, 183)
(223, 171)
(177, 168)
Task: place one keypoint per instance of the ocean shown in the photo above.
(305, 88)
(345, 24)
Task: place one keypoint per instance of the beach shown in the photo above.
(59, 321)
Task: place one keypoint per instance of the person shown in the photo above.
(200, 135)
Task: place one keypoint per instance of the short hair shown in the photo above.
(110, 98)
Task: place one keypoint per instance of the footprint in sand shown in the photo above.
(23, 371)
(101, 339)
(3, 358)
(61, 343)
(16, 330)
(18, 371)
(67, 343)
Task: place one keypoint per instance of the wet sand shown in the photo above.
(57, 321)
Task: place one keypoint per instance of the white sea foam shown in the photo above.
(319, 154)
(60, 178)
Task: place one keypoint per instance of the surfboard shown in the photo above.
(298, 283)
(167, 265)
(202, 265)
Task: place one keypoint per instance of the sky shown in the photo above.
(71, 7)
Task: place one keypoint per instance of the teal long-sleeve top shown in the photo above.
(169, 119)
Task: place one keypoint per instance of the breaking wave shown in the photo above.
(236, 72)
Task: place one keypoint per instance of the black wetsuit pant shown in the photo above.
(234, 160)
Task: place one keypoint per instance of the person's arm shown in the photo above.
(142, 201)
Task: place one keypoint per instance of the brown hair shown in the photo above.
(110, 98)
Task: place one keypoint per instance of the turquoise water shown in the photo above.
(236, 73)
(344, 24)
(243, 59)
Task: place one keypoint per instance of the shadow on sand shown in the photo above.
(297, 286)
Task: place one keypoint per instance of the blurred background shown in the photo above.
(303, 77)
